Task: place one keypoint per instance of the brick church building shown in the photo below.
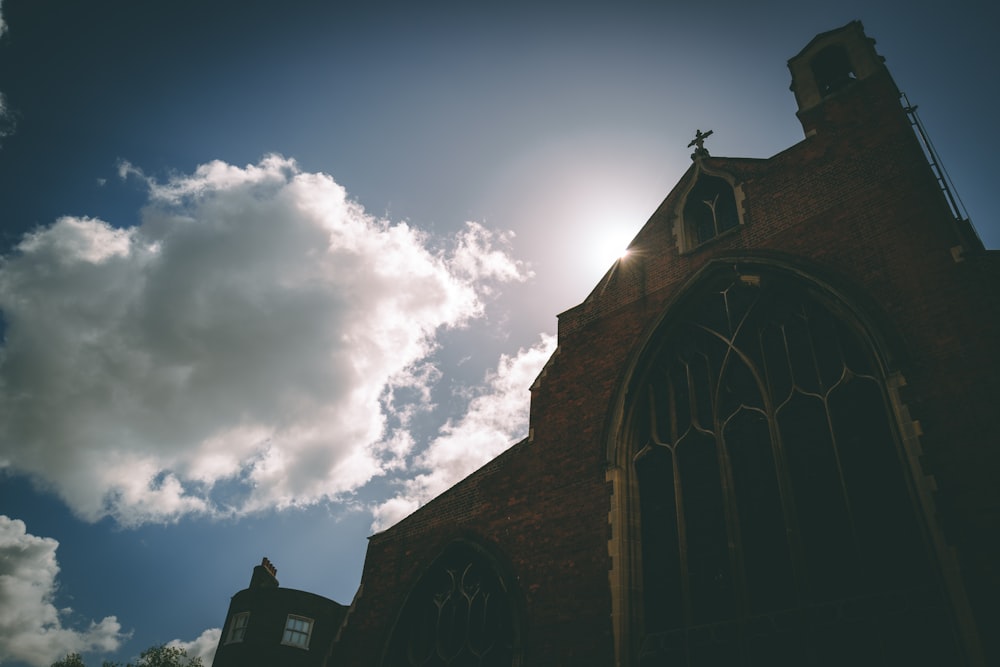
(767, 437)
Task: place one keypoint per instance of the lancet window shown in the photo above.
(709, 209)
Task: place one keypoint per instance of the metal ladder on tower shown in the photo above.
(967, 232)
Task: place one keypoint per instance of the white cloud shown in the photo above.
(6, 115)
(237, 350)
(494, 420)
(201, 647)
(7, 121)
(32, 630)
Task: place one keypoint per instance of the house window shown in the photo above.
(709, 209)
(238, 627)
(297, 631)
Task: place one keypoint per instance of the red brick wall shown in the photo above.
(858, 205)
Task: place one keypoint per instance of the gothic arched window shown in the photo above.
(775, 516)
(461, 612)
(709, 209)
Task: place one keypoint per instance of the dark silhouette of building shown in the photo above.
(268, 625)
(767, 437)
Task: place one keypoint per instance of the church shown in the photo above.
(767, 437)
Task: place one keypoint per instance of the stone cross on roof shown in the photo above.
(699, 143)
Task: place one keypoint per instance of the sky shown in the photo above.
(273, 275)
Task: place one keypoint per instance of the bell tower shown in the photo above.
(837, 69)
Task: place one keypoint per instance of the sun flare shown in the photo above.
(609, 244)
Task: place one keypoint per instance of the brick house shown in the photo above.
(270, 625)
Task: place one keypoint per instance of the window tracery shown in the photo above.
(710, 208)
(460, 613)
(775, 518)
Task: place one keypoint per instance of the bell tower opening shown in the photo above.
(832, 69)
(830, 63)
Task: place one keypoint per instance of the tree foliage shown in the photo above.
(154, 656)
(71, 660)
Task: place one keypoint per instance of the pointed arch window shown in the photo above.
(461, 612)
(710, 208)
(775, 518)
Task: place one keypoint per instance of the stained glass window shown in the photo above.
(459, 613)
(777, 525)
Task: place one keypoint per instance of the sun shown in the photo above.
(607, 244)
(606, 210)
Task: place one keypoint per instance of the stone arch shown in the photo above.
(766, 509)
(832, 69)
(463, 610)
(710, 206)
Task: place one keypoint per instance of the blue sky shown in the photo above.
(275, 274)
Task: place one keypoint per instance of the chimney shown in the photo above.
(264, 575)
